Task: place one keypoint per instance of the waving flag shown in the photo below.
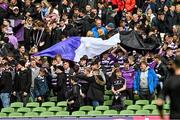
(76, 47)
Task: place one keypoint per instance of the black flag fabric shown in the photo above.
(132, 40)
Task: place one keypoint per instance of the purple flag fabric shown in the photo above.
(65, 48)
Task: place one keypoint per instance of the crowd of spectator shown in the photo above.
(29, 26)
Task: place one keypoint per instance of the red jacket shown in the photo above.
(129, 4)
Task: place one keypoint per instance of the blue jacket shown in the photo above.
(41, 87)
(95, 31)
(152, 80)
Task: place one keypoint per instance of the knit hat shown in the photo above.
(111, 25)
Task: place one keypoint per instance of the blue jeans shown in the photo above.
(5, 98)
(95, 103)
(32, 94)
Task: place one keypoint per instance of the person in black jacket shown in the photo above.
(22, 82)
(6, 82)
(61, 83)
(55, 36)
(40, 36)
(74, 96)
(161, 71)
(118, 89)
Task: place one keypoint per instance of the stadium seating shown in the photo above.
(94, 113)
(46, 114)
(106, 97)
(32, 105)
(39, 109)
(53, 99)
(102, 108)
(62, 113)
(78, 113)
(48, 104)
(31, 114)
(17, 105)
(127, 112)
(86, 108)
(134, 107)
(15, 114)
(110, 112)
(128, 102)
(49, 109)
(23, 110)
(2, 115)
(7, 110)
(142, 102)
(143, 112)
(108, 103)
(150, 107)
(55, 109)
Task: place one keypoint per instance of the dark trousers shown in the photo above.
(22, 98)
(130, 94)
(145, 94)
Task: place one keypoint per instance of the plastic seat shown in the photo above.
(142, 102)
(7, 110)
(102, 108)
(150, 107)
(128, 102)
(78, 113)
(55, 109)
(155, 112)
(15, 114)
(94, 113)
(153, 102)
(23, 110)
(110, 112)
(3, 115)
(106, 97)
(143, 112)
(46, 114)
(86, 108)
(108, 103)
(127, 112)
(166, 107)
(31, 114)
(53, 99)
(17, 105)
(62, 113)
(108, 92)
(39, 109)
(134, 107)
(48, 104)
(62, 104)
(32, 105)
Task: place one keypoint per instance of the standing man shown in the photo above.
(171, 89)
(22, 82)
(34, 73)
(161, 71)
(145, 82)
